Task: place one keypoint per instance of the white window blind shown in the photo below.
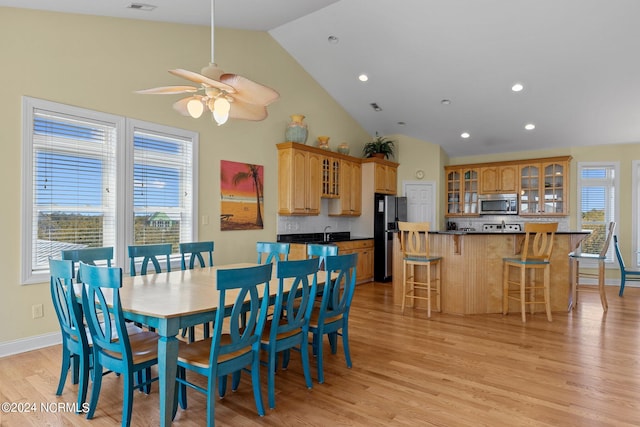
(162, 187)
(597, 202)
(72, 198)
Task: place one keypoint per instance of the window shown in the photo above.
(75, 181)
(598, 190)
(635, 211)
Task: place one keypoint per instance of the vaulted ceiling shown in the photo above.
(439, 68)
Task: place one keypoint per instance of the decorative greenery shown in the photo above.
(379, 145)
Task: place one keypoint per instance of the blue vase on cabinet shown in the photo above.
(296, 129)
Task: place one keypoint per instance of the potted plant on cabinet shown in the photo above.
(380, 146)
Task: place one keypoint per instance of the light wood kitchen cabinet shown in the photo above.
(350, 201)
(544, 187)
(299, 180)
(462, 191)
(499, 179)
(385, 175)
(364, 249)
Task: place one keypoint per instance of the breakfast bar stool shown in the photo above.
(535, 255)
(414, 242)
(576, 274)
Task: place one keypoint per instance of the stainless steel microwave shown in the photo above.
(498, 204)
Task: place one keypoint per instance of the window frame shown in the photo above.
(610, 261)
(635, 212)
(123, 169)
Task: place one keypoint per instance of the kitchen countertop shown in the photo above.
(458, 232)
(303, 238)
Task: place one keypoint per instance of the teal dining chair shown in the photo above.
(113, 348)
(76, 351)
(315, 250)
(291, 331)
(196, 252)
(91, 256)
(625, 274)
(269, 252)
(240, 291)
(331, 318)
(149, 254)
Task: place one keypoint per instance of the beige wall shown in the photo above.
(97, 63)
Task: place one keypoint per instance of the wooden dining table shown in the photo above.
(171, 301)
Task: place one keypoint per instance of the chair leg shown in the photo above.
(574, 270)
(505, 289)
(404, 284)
(601, 290)
(622, 280)
(255, 381)
(319, 356)
(84, 381)
(222, 386)
(333, 342)
(428, 290)
(127, 404)
(182, 389)
(523, 278)
(345, 342)
(64, 369)
(304, 353)
(438, 286)
(235, 380)
(95, 389)
(547, 293)
(75, 362)
(271, 377)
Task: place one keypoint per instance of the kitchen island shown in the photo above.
(472, 269)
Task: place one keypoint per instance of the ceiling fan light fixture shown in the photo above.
(225, 95)
(195, 107)
(221, 109)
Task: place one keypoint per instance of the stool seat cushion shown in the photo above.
(422, 258)
(526, 262)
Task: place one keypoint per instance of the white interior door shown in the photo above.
(421, 201)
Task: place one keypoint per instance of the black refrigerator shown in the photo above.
(387, 212)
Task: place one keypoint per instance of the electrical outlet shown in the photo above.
(37, 311)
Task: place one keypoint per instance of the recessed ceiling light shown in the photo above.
(363, 77)
(445, 102)
(375, 106)
(141, 6)
(402, 123)
(465, 135)
(529, 126)
(333, 39)
(517, 87)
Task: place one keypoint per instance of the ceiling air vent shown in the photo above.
(142, 6)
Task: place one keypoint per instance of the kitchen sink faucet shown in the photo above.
(326, 235)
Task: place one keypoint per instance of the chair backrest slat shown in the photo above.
(66, 304)
(338, 292)
(245, 308)
(103, 311)
(538, 241)
(195, 251)
(149, 254)
(298, 301)
(321, 252)
(269, 252)
(414, 238)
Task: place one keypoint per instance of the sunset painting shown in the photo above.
(241, 197)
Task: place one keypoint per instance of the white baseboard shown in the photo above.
(8, 348)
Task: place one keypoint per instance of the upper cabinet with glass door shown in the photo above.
(544, 187)
(462, 191)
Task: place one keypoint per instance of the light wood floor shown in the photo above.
(583, 369)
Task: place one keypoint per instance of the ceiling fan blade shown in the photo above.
(181, 106)
(250, 91)
(246, 111)
(164, 90)
(199, 78)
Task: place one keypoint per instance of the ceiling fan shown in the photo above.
(224, 95)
